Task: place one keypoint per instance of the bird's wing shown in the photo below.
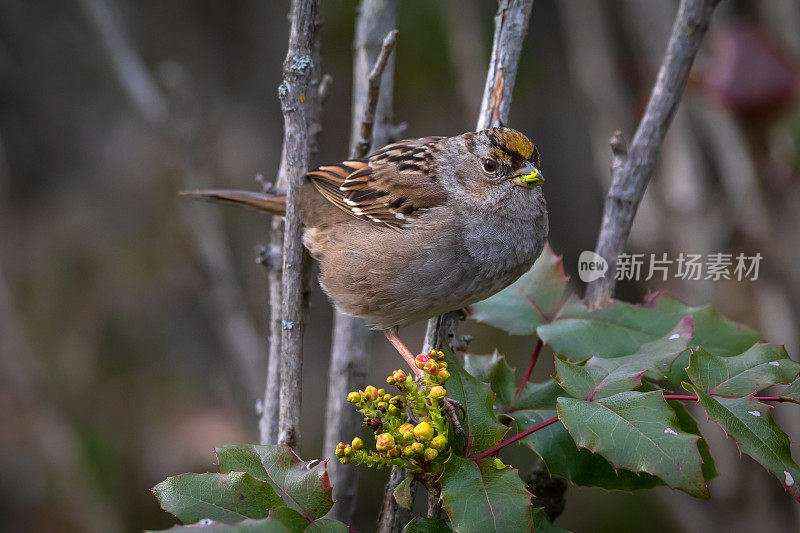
(391, 187)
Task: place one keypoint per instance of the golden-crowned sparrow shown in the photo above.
(419, 227)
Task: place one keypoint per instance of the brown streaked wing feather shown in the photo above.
(391, 187)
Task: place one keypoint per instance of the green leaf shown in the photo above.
(479, 497)
(640, 432)
(621, 328)
(688, 424)
(792, 392)
(533, 300)
(599, 377)
(303, 485)
(264, 525)
(750, 424)
(427, 525)
(541, 524)
(494, 370)
(222, 497)
(578, 465)
(402, 492)
(294, 521)
(762, 366)
(327, 525)
(480, 423)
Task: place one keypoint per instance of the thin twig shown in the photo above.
(511, 26)
(373, 67)
(685, 397)
(515, 438)
(292, 93)
(375, 76)
(534, 357)
(633, 172)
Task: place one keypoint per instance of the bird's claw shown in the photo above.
(453, 407)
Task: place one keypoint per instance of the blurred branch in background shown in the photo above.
(297, 71)
(465, 48)
(632, 168)
(177, 115)
(371, 126)
(34, 423)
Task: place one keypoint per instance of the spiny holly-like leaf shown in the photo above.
(760, 367)
(541, 524)
(427, 525)
(621, 328)
(494, 370)
(750, 423)
(640, 432)
(480, 423)
(303, 485)
(264, 525)
(600, 377)
(534, 299)
(792, 392)
(481, 498)
(558, 450)
(402, 492)
(580, 466)
(222, 497)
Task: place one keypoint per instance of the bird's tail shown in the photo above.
(269, 203)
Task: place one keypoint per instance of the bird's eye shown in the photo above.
(489, 165)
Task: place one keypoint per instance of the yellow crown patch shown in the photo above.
(515, 142)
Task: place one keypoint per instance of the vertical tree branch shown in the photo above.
(371, 124)
(510, 28)
(631, 172)
(293, 94)
(272, 257)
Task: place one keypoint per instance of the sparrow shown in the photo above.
(419, 227)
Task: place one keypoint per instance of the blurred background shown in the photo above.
(133, 326)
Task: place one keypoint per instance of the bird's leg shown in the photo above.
(391, 335)
(452, 406)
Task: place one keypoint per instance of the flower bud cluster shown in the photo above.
(410, 428)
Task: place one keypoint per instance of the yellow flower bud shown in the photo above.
(439, 443)
(371, 394)
(354, 397)
(357, 443)
(384, 442)
(430, 454)
(438, 392)
(423, 432)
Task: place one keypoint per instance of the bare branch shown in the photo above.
(510, 28)
(350, 351)
(292, 93)
(511, 25)
(393, 517)
(375, 76)
(632, 173)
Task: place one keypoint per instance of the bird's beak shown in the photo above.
(528, 176)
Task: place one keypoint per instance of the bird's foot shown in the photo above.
(452, 407)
